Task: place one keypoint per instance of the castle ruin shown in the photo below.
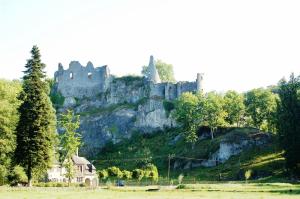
(86, 81)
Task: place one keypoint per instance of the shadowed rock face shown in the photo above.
(111, 108)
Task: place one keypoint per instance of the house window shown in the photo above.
(90, 75)
(80, 179)
(71, 75)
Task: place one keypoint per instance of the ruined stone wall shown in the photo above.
(79, 81)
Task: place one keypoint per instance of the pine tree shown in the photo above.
(36, 129)
(288, 122)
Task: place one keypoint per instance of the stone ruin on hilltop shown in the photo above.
(87, 81)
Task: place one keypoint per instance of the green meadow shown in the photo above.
(224, 191)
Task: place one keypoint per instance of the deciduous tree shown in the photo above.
(261, 107)
(235, 107)
(69, 141)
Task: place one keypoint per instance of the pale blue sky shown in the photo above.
(237, 44)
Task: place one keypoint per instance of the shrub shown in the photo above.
(17, 176)
(127, 174)
(151, 172)
(138, 174)
(114, 172)
(103, 174)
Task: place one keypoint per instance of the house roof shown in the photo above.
(82, 161)
(79, 160)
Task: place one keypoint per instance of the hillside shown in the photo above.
(260, 155)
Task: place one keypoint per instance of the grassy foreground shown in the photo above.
(226, 191)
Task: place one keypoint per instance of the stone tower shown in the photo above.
(200, 82)
(152, 71)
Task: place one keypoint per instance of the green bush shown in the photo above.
(114, 172)
(17, 176)
(103, 174)
(151, 172)
(138, 174)
(127, 174)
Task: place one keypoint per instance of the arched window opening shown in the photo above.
(90, 75)
(71, 76)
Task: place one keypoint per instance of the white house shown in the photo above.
(85, 172)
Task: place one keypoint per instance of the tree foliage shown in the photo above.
(138, 174)
(197, 110)
(127, 174)
(189, 114)
(143, 156)
(69, 141)
(17, 175)
(261, 108)
(102, 174)
(288, 122)
(214, 113)
(37, 125)
(114, 172)
(165, 71)
(235, 107)
(9, 103)
(151, 172)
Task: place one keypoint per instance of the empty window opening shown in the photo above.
(56, 79)
(90, 75)
(71, 76)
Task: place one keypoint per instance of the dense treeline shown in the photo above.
(255, 108)
(275, 112)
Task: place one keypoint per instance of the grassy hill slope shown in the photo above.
(265, 161)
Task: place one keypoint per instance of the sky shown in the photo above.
(237, 44)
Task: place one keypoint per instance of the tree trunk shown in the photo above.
(29, 175)
(69, 181)
(212, 133)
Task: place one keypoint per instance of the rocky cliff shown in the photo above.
(124, 108)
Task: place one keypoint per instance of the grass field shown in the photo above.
(224, 191)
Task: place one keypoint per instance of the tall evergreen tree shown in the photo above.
(288, 122)
(37, 124)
